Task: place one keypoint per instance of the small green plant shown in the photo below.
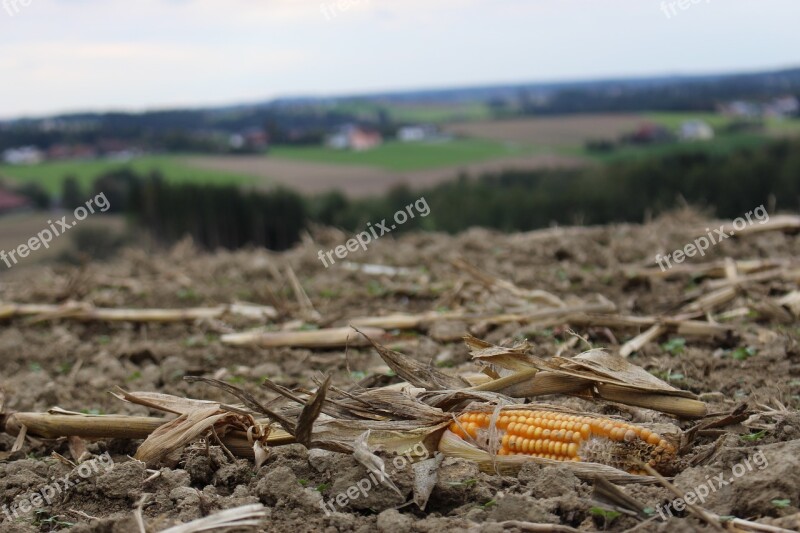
(134, 376)
(193, 341)
(674, 346)
(607, 515)
(43, 518)
(35, 367)
(743, 353)
(667, 375)
(188, 295)
(375, 289)
(754, 437)
(244, 294)
(303, 482)
(489, 504)
(781, 503)
(322, 487)
(465, 483)
(329, 293)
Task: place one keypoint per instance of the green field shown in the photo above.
(414, 113)
(783, 126)
(394, 156)
(50, 175)
(719, 145)
(407, 157)
(717, 121)
(673, 121)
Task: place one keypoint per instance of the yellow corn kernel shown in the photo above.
(556, 436)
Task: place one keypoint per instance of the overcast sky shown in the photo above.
(70, 55)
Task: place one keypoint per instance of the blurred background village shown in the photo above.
(616, 143)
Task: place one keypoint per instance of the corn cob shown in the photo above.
(565, 437)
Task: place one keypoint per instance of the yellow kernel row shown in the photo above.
(552, 433)
(519, 444)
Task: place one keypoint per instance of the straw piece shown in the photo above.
(321, 338)
(644, 338)
(53, 426)
(86, 312)
(783, 223)
(246, 516)
(490, 281)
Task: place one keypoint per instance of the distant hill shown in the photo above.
(745, 84)
(305, 120)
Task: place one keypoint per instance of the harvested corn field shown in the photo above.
(556, 380)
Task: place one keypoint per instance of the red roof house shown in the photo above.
(10, 202)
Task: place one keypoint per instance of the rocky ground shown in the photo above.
(73, 365)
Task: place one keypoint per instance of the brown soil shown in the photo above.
(551, 131)
(359, 181)
(72, 365)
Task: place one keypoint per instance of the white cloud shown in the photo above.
(79, 54)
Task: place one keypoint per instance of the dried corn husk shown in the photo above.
(244, 517)
(591, 374)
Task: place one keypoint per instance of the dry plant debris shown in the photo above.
(429, 357)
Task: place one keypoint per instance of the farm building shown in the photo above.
(354, 138)
(420, 133)
(695, 130)
(24, 155)
(12, 203)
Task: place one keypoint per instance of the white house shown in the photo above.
(418, 133)
(24, 155)
(354, 138)
(695, 130)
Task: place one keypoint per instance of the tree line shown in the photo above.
(230, 217)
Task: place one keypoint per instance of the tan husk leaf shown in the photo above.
(590, 374)
(372, 462)
(416, 373)
(166, 443)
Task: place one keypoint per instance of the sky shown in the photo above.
(133, 55)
